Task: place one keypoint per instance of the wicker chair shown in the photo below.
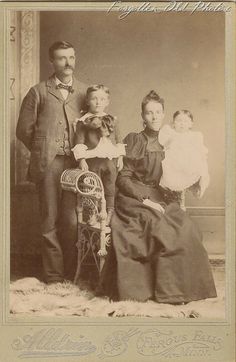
(93, 234)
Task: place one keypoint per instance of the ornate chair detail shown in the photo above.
(93, 235)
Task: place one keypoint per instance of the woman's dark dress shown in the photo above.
(154, 255)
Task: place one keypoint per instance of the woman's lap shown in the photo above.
(158, 255)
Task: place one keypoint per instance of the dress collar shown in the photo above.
(150, 133)
(89, 114)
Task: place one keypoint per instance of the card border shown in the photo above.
(230, 78)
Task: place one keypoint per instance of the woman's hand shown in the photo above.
(83, 165)
(120, 163)
(154, 205)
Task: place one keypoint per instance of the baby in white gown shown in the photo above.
(185, 162)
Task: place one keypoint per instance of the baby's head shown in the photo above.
(98, 98)
(182, 121)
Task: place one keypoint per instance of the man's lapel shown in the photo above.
(76, 91)
(52, 88)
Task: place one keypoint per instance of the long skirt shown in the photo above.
(154, 255)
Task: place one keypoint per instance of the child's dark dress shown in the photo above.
(89, 132)
(154, 255)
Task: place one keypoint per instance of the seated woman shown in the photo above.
(157, 251)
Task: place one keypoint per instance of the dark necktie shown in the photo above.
(64, 86)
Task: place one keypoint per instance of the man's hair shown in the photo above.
(59, 45)
(152, 96)
(96, 87)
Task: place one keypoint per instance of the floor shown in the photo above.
(29, 296)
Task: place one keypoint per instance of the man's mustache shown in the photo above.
(69, 67)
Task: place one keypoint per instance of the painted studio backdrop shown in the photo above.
(179, 55)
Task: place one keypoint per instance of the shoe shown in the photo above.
(98, 292)
(54, 281)
(67, 281)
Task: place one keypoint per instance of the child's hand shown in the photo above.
(83, 165)
(74, 125)
(120, 163)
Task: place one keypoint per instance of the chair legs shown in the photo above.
(90, 250)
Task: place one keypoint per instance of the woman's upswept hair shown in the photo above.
(96, 87)
(152, 96)
(59, 45)
(183, 111)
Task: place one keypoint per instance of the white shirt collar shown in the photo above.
(58, 81)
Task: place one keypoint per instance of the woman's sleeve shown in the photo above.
(125, 178)
(125, 183)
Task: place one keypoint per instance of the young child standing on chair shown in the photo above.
(185, 163)
(98, 144)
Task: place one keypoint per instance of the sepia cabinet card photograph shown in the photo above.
(118, 181)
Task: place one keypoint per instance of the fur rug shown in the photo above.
(30, 297)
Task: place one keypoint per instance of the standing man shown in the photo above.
(45, 126)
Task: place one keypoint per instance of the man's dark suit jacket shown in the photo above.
(41, 114)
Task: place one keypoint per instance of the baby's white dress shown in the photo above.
(185, 159)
